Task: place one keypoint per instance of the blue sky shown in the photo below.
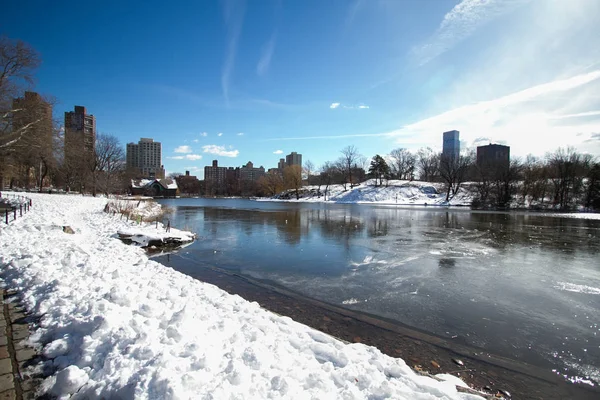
(241, 81)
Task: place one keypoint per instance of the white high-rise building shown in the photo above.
(146, 157)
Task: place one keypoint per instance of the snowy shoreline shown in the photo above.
(114, 323)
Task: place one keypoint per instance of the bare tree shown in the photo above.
(271, 183)
(351, 159)
(453, 171)
(308, 168)
(429, 164)
(109, 161)
(292, 178)
(174, 175)
(18, 61)
(568, 170)
(403, 164)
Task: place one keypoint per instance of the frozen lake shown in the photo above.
(524, 286)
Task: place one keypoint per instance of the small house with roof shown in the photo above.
(154, 187)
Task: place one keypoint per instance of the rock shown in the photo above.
(435, 364)
(458, 362)
(505, 392)
(68, 229)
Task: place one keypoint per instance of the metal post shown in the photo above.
(15, 214)
(20, 209)
(6, 217)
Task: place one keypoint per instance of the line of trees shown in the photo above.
(564, 179)
(32, 145)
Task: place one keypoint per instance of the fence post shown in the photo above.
(20, 209)
(6, 216)
(30, 202)
(15, 214)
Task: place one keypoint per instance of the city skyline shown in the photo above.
(239, 81)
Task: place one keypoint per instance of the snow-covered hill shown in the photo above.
(394, 192)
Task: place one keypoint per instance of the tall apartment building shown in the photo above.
(80, 133)
(451, 145)
(146, 158)
(293, 159)
(34, 110)
(214, 177)
(250, 174)
(493, 155)
(281, 164)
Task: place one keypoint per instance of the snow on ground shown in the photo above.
(395, 192)
(114, 324)
(147, 236)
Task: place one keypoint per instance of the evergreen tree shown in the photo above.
(379, 169)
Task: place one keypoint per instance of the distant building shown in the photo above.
(293, 159)
(451, 145)
(214, 178)
(493, 154)
(80, 133)
(188, 184)
(250, 174)
(146, 158)
(281, 164)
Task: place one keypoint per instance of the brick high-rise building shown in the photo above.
(146, 158)
(32, 124)
(80, 133)
(214, 178)
(250, 174)
(293, 159)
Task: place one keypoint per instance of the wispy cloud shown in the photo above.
(220, 151)
(176, 158)
(278, 152)
(220, 134)
(204, 134)
(385, 134)
(233, 11)
(240, 134)
(196, 140)
(267, 53)
(352, 11)
(349, 106)
(461, 22)
(527, 119)
(183, 149)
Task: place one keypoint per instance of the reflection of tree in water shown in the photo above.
(447, 262)
(289, 224)
(378, 227)
(336, 224)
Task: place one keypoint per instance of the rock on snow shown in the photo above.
(115, 324)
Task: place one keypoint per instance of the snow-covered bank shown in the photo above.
(114, 324)
(394, 192)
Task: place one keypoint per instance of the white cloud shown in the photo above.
(176, 158)
(234, 18)
(363, 106)
(278, 152)
(183, 149)
(334, 105)
(204, 134)
(220, 134)
(240, 134)
(348, 107)
(529, 120)
(220, 151)
(196, 140)
(461, 22)
(193, 157)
